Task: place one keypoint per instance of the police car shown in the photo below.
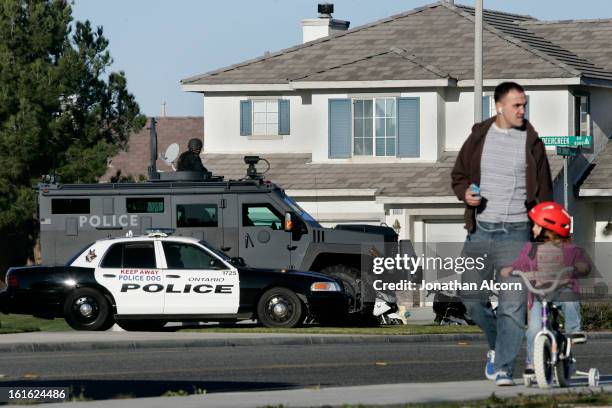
(143, 282)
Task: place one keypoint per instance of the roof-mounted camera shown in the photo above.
(252, 173)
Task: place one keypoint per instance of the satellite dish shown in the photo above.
(171, 154)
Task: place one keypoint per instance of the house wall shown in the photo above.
(601, 116)
(223, 128)
(548, 112)
(330, 211)
(309, 125)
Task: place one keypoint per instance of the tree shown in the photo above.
(61, 111)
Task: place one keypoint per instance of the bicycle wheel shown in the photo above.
(542, 357)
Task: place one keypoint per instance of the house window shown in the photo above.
(265, 117)
(374, 127)
(582, 115)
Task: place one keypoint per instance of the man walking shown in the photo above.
(500, 173)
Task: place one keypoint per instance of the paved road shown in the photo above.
(103, 374)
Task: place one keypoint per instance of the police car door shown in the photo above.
(129, 271)
(262, 240)
(199, 283)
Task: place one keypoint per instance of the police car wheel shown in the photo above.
(141, 325)
(88, 309)
(280, 307)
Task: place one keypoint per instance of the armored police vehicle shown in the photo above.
(249, 218)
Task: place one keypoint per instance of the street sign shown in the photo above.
(566, 151)
(573, 141)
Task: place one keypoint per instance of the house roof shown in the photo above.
(297, 172)
(590, 39)
(600, 177)
(439, 36)
(135, 161)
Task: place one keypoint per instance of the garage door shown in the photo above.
(443, 238)
(444, 231)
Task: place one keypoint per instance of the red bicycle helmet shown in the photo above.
(552, 216)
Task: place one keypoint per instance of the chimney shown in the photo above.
(163, 110)
(325, 25)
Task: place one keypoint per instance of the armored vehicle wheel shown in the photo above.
(350, 280)
(88, 309)
(542, 357)
(280, 307)
(141, 325)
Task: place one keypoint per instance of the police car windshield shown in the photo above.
(300, 211)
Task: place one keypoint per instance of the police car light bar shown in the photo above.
(159, 232)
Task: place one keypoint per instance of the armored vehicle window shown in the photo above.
(185, 256)
(70, 206)
(261, 215)
(196, 215)
(130, 255)
(145, 205)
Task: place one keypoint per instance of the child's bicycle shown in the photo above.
(552, 352)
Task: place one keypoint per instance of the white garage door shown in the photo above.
(444, 231)
(444, 238)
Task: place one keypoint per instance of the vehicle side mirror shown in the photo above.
(238, 261)
(216, 264)
(289, 221)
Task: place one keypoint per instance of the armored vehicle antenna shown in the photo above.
(153, 175)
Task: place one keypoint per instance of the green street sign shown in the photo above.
(566, 151)
(572, 141)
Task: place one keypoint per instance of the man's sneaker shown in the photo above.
(577, 337)
(502, 378)
(489, 368)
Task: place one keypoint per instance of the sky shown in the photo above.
(159, 42)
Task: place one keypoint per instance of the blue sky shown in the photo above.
(159, 42)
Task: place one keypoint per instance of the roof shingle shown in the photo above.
(297, 172)
(439, 35)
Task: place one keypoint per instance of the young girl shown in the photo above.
(552, 251)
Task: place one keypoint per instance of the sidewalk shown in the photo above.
(385, 394)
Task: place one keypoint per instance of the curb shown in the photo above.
(259, 341)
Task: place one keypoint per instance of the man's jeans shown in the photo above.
(499, 244)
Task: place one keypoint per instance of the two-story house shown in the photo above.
(364, 124)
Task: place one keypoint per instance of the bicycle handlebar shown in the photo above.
(542, 291)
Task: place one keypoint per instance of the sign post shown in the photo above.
(567, 146)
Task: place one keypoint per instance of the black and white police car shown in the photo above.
(143, 282)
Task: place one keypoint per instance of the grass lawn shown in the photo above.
(14, 323)
(382, 330)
